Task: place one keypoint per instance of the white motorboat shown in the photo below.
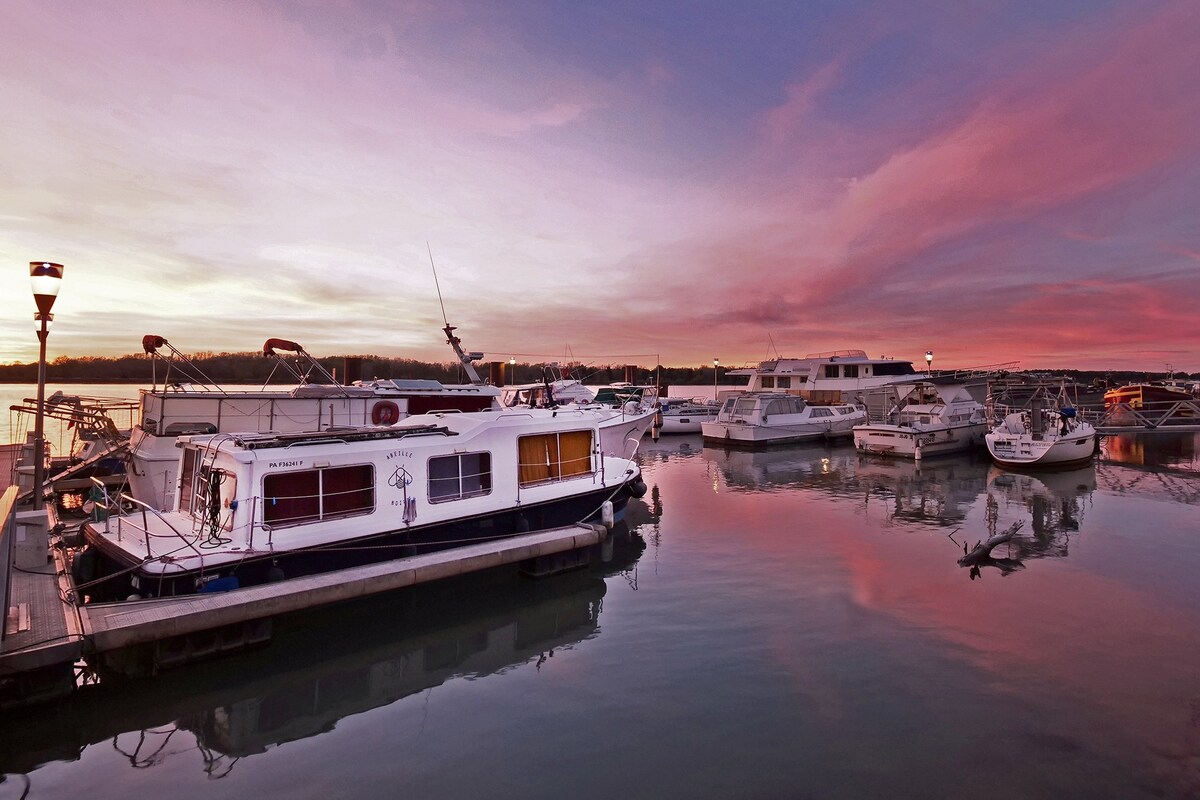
(1041, 436)
(929, 418)
(258, 507)
(766, 418)
(686, 415)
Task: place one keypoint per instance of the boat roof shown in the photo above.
(437, 425)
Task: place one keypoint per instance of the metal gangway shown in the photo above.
(1171, 416)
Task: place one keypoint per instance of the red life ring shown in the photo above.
(385, 412)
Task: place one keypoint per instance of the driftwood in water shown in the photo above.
(982, 551)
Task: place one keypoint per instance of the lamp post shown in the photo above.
(45, 278)
(929, 362)
(716, 364)
(512, 368)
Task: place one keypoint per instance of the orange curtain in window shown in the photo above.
(538, 456)
(575, 453)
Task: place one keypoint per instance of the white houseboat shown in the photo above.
(766, 418)
(257, 507)
(836, 376)
(929, 418)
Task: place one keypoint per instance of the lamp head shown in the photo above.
(45, 278)
(38, 316)
(512, 361)
(928, 356)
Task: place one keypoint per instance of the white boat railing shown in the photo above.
(116, 509)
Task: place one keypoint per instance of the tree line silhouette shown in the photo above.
(253, 368)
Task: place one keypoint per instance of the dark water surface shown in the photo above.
(790, 623)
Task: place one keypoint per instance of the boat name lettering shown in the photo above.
(399, 454)
(274, 464)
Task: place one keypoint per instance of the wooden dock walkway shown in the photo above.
(47, 633)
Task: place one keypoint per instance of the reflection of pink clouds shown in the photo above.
(1129, 634)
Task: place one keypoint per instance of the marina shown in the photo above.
(806, 593)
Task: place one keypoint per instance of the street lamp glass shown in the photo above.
(45, 278)
(37, 321)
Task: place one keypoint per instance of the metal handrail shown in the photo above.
(144, 508)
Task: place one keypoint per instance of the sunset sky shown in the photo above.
(618, 181)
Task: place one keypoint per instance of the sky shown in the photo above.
(614, 182)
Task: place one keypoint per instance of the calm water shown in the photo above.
(789, 624)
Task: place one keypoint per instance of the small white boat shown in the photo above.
(680, 415)
(259, 507)
(929, 418)
(767, 418)
(1041, 437)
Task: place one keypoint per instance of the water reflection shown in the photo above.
(1055, 502)
(937, 492)
(1164, 466)
(326, 665)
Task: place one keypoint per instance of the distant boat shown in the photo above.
(930, 418)
(260, 507)
(836, 376)
(1151, 401)
(680, 415)
(766, 418)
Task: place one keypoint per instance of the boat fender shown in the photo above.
(385, 412)
(275, 573)
(521, 525)
(637, 487)
(606, 514)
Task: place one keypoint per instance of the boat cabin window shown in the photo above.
(894, 368)
(850, 371)
(311, 495)
(831, 370)
(783, 382)
(206, 493)
(821, 412)
(846, 409)
(554, 456)
(460, 475)
(784, 405)
(768, 382)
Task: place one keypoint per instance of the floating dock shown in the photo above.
(46, 634)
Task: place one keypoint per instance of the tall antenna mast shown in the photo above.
(463, 358)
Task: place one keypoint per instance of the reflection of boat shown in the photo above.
(767, 418)
(1041, 436)
(937, 492)
(255, 508)
(324, 666)
(929, 418)
(1055, 501)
